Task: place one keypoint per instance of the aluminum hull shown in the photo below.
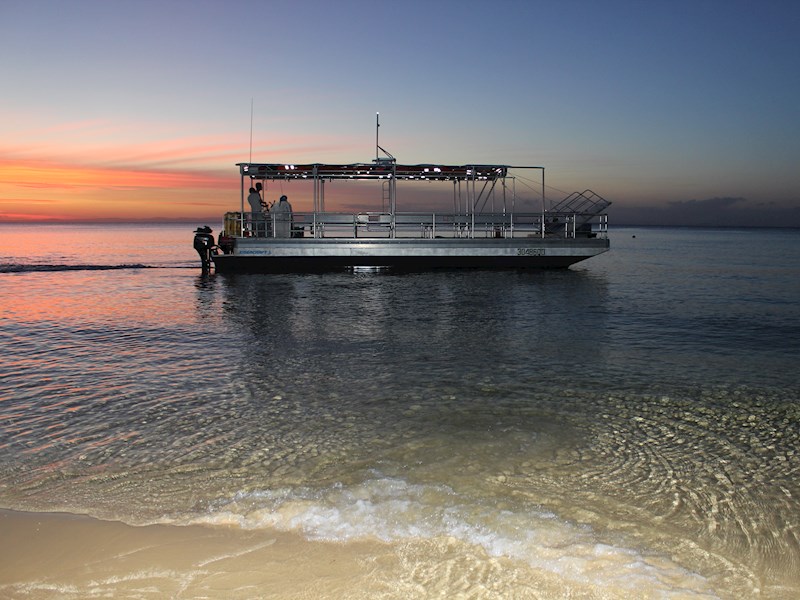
(270, 255)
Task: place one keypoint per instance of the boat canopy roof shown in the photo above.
(378, 169)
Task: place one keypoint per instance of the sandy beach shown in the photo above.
(65, 556)
(56, 555)
(49, 555)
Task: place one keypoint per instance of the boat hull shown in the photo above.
(260, 255)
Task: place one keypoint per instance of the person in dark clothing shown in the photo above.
(204, 243)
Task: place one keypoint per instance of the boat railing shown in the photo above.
(555, 224)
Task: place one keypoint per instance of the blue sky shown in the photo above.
(137, 108)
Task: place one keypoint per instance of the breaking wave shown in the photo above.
(393, 510)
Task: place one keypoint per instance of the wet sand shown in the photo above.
(46, 555)
(66, 556)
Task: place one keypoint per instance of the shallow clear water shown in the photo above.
(628, 424)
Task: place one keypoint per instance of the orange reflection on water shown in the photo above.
(92, 299)
(98, 276)
(87, 444)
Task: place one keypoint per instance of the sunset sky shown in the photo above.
(682, 112)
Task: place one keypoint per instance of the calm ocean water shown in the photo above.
(629, 425)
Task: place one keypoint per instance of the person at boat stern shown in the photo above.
(204, 244)
(283, 218)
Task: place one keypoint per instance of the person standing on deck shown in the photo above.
(283, 218)
(256, 213)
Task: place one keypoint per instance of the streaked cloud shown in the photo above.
(39, 174)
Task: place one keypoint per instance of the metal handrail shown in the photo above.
(425, 224)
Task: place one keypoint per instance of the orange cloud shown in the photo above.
(46, 190)
(43, 174)
(123, 170)
(39, 175)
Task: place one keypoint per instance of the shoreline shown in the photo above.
(71, 557)
(75, 556)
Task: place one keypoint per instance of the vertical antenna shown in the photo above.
(251, 129)
(377, 127)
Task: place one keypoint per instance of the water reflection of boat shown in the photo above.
(483, 231)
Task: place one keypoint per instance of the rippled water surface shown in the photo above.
(629, 425)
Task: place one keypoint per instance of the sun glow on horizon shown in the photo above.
(149, 176)
(46, 190)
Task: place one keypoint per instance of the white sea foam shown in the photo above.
(393, 510)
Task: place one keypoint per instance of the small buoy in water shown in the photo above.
(633, 236)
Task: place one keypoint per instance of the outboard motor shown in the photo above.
(204, 243)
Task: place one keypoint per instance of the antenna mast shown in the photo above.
(251, 129)
(378, 148)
